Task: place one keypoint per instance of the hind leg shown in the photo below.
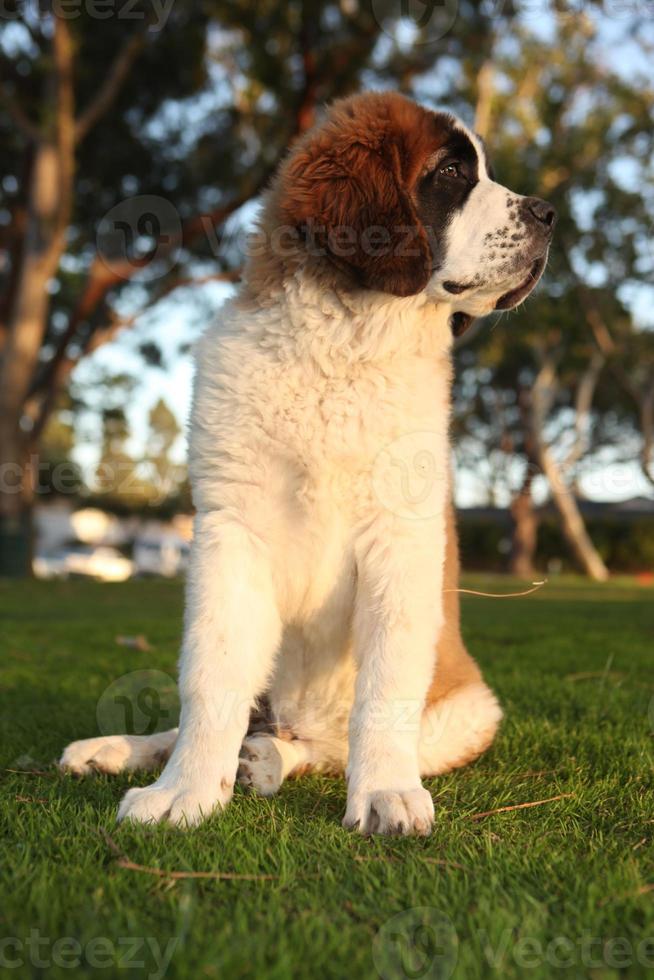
(266, 761)
(118, 753)
(457, 728)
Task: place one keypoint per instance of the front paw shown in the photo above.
(390, 812)
(180, 803)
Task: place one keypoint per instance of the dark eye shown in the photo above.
(450, 170)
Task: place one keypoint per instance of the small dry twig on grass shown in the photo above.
(501, 595)
(29, 772)
(444, 863)
(124, 862)
(139, 642)
(519, 806)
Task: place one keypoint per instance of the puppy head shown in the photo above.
(347, 188)
(400, 199)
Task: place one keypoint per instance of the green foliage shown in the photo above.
(126, 483)
(567, 123)
(58, 473)
(625, 546)
(164, 431)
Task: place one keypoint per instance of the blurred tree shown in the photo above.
(68, 82)
(58, 472)
(541, 390)
(163, 433)
(115, 476)
(125, 482)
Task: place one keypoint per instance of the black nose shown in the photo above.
(542, 211)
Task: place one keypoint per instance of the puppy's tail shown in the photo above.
(457, 728)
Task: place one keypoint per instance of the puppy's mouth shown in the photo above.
(516, 296)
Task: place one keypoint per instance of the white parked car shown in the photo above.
(101, 563)
(50, 564)
(165, 555)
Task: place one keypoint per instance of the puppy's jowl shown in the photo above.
(324, 560)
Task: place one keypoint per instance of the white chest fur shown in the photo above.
(311, 417)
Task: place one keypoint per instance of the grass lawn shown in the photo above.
(561, 889)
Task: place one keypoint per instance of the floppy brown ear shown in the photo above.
(349, 201)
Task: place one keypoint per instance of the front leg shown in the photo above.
(232, 631)
(397, 622)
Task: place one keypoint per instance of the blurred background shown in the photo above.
(135, 139)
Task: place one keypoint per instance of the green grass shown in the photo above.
(515, 894)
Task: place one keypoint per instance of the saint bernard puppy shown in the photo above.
(324, 568)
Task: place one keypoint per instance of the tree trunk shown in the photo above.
(19, 359)
(572, 522)
(525, 518)
(16, 502)
(525, 532)
(48, 213)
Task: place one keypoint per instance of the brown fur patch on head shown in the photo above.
(344, 196)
